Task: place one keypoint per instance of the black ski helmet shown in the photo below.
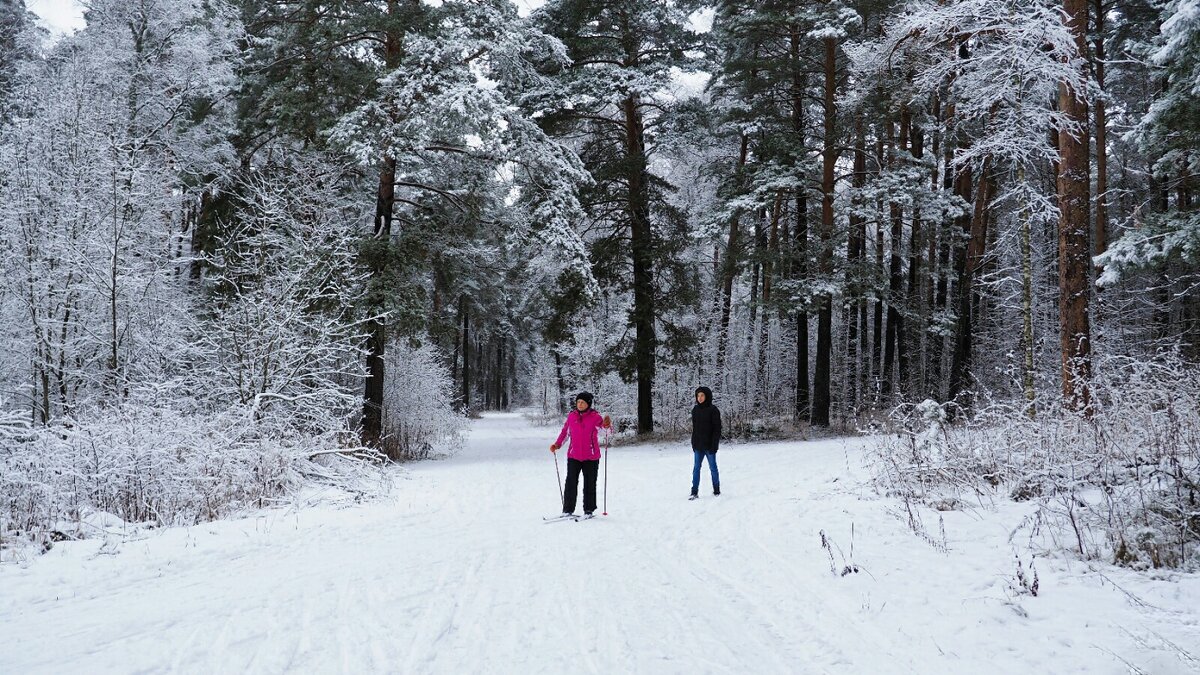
(586, 397)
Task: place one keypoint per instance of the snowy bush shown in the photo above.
(246, 402)
(282, 335)
(419, 419)
(1123, 484)
(13, 424)
(149, 464)
(927, 456)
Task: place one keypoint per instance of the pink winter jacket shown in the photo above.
(584, 429)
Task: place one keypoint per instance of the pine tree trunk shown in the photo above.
(645, 339)
(821, 379)
(1074, 251)
(1026, 299)
(962, 182)
(458, 326)
(764, 333)
(372, 420)
(971, 259)
(200, 232)
(486, 383)
(877, 329)
(385, 198)
(730, 267)
(1101, 136)
(800, 239)
(466, 348)
(913, 371)
(939, 260)
(855, 250)
(755, 267)
(894, 338)
(941, 300)
(499, 375)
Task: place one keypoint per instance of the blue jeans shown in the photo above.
(712, 467)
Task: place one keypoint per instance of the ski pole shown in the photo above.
(607, 445)
(557, 473)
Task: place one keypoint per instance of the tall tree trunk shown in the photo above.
(1026, 299)
(729, 268)
(821, 379)
(800, 239)
(1160, 200)
(941, 300)
(971, 259)
(877, 329)
(505, 377)
(894, 338)
(379, 253)
(645, 340)
(458, 326)
(755, 269)
(466, 348)
(1101, 135)
(856, 307)
(1074, 251)
(200, 231)
(499, 375)
(915, 375)
(764, 332)
(938, 258)
(486, 382)
(561, 406)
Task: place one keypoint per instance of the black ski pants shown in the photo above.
(590, 469)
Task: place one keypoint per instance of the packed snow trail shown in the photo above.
(457, 573)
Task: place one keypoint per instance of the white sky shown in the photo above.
(524, 7)
(61, 17)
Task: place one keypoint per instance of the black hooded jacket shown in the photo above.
(706, 423)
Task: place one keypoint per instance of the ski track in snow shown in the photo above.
(457, 573)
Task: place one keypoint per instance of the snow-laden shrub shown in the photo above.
(148, 464)
(419, 419)
(1123, 484)
(14, 424)
(926, 456)
(282, 334)
(261, 388)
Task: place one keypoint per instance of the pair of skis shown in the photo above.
(572, 517)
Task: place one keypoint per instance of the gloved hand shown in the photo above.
(607, 422)
(554, 447)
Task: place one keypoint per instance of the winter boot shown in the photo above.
(716, 490)
(695, 493)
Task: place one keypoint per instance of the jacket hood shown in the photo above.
(708, 397)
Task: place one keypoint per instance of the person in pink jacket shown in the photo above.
(583, 427)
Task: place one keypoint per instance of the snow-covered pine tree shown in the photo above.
(463, 164)
(1160, 248)
(612, 104)
(994, 69)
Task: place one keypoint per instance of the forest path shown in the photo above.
(458, 574)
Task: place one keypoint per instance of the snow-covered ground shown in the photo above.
(457, 573)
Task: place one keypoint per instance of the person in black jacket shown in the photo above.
(706, 439)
